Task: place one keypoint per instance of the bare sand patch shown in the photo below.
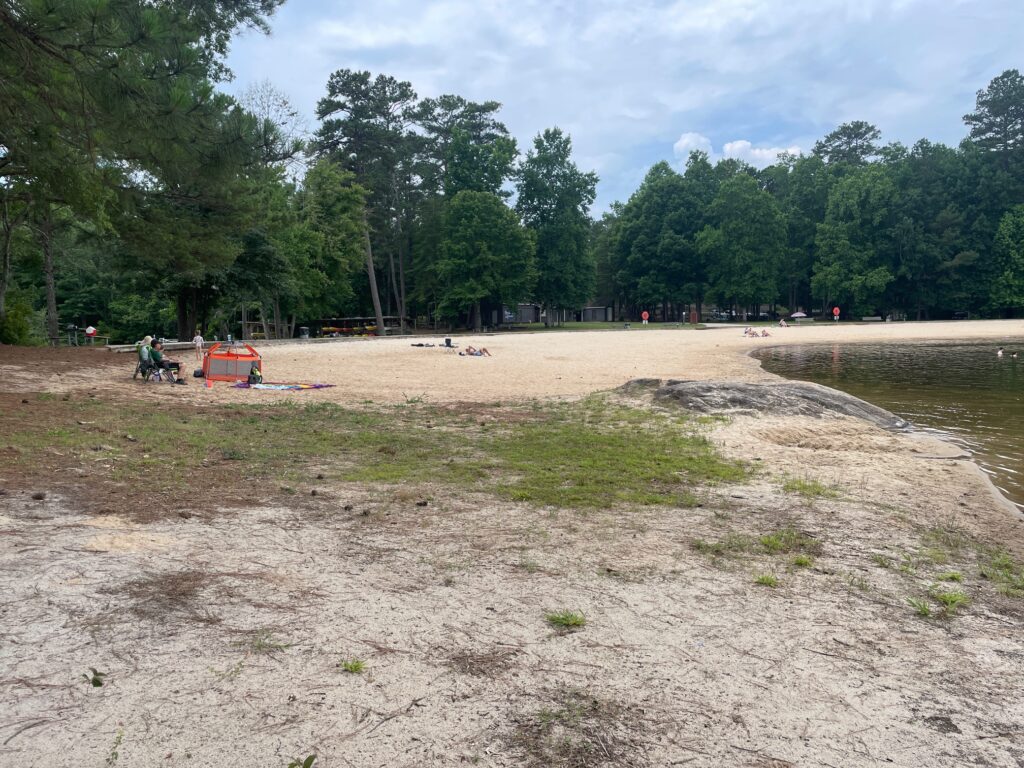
(553, 364)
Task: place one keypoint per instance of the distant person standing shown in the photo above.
(198, 342)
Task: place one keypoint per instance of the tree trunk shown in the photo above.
(371, 273)
(245, 323)
(188, 312)
(45, 241)
(399, 298)
(267, 333)
(8, 225)
(279, 323)
(403, 307)
(477, 326)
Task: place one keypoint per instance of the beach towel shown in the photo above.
(280, 386)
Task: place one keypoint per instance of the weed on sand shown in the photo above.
(1005, 573)
(809, 489)
(566, 621)
(781, 542)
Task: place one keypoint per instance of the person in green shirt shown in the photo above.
(160, 361)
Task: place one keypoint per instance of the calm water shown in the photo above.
(961, 390)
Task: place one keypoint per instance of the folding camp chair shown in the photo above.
(143, 369)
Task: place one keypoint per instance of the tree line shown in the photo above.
(927, 231)
(137, 196)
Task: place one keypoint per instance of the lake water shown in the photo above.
(961, 390)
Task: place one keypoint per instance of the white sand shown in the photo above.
(556, 364)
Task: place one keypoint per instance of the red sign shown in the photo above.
(835, 311)
(645, 315)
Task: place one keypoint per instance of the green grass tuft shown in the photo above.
(767, 580)
(921, 607)
(566, 620)
(353, 666)
(803, 561)
(1005, 573)
(809, 489)
(951, 601)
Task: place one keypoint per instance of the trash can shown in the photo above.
(303, 332)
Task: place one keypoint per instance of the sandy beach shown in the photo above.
(767, 623)
(568, 364)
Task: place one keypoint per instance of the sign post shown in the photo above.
(645, 316)
(835, 314)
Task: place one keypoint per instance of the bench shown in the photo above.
(871, 319)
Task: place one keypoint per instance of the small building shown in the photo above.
(527, 313)
(598, 314)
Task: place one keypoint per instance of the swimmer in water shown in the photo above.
(999, 352)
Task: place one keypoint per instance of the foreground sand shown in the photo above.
(684, 659)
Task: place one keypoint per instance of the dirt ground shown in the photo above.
(219, 630)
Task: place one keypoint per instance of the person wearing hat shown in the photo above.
(173, 367)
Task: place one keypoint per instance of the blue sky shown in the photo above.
(643, 81)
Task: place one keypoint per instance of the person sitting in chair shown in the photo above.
(144, 351)
(159, 361)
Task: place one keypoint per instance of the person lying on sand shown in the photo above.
(472, 351)
(763, 333)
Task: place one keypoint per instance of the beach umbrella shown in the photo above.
(798, 314)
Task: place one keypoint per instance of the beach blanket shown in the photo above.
(280, 385)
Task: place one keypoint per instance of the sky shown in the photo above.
(638, 82)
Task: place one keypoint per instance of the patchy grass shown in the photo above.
(595, 455)
(263, 642)
(767, 580)
(921, 607)
(1005, 573)
(951, 601)
(577, 730)
(730, 545)
(566, 621)
(353, 666)
(781, 542)
(809, 489)
(585, 455)
(803, 561)
(950, 576)
(789, 540)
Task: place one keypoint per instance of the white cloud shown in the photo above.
(759, 157)
(690, 142)
(628, 79)
(740, 149)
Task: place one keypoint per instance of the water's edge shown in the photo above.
(967, 463)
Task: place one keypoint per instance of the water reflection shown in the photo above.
(963, 391)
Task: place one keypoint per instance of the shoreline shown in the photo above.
(940, 436)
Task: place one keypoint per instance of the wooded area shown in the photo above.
(136, 197)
